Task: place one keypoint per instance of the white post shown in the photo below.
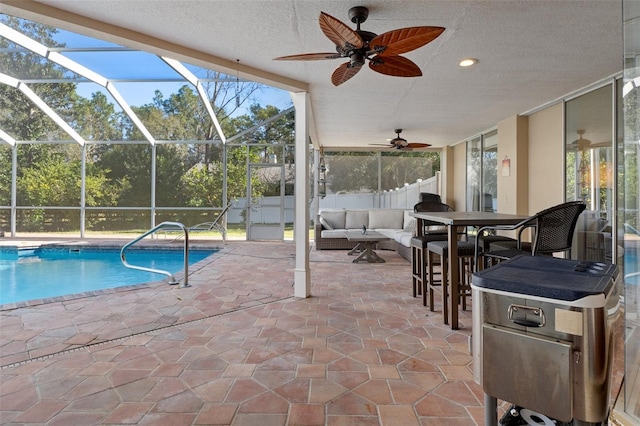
(302, 275)
(83, 190)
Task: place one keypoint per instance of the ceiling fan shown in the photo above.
(581, 143)
(401, 143)
(383, 51)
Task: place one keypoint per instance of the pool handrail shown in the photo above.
(172, 279)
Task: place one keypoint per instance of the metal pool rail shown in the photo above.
(172, 279)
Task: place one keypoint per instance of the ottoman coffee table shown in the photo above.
(366, 243)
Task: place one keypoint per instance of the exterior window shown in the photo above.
(482, 167)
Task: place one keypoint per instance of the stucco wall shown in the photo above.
(533, 145)
(546, 165)
(513, 146)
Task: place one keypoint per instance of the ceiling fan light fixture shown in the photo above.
(467, 62)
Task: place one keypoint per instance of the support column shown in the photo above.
(447, 167)
(513, 146)
(302, 275)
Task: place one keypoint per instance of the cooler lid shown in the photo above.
(548, 277)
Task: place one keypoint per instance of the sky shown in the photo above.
(122, 65)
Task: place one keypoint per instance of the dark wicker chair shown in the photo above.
(430, 197)
(553, 233)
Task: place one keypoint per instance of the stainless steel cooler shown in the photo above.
(542, 335)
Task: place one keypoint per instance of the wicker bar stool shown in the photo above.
(428, 203)
(419, 262)
(466, 254)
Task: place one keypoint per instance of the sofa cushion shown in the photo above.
(334, 218)
(386, 219)
(404, 238)
(333, 233)
(356, 218)
(389, 233)
(397, 235)
(409, 222)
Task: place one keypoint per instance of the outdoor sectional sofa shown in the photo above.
(396, 224)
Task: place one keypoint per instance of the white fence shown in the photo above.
(400, 198)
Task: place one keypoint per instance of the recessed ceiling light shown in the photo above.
(468, 62)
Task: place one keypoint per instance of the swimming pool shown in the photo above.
(631, 267)
(28, 274)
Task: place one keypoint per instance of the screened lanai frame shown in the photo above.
(73, 71)
(82, 214)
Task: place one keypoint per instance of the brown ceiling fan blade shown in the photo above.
(343, 73)
(308, 57)
(397, 66)
(606, 144)
(584, 144)
(417, 145)
(339, 33)
(404, 40)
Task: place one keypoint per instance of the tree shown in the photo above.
(96, 118)
(48, 175)
(399, 168)
(19, 117)
(119, 173)
(358, 171)
(56, 181)
(5, 176)
(352, 171)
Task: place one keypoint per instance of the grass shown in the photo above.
(234, 231)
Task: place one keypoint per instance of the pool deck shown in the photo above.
(237, 348)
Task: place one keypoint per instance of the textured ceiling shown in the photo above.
(530, 53)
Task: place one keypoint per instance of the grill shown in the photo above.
(542, 336)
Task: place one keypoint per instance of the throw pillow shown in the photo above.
(325, 224)
(335, 218)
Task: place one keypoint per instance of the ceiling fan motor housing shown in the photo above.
(399, 142)
(358, 14)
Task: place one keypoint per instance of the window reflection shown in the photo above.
(629, 206)
(589, 171)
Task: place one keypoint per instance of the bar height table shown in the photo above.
(453, 220)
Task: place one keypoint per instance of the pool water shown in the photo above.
(49, 272)
(631, 267)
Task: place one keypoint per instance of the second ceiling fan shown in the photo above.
(401, 143)
(382, 51)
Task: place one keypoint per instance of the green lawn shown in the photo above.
(234, 231)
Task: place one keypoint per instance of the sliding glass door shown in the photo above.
(590, 170)
(482, 173)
